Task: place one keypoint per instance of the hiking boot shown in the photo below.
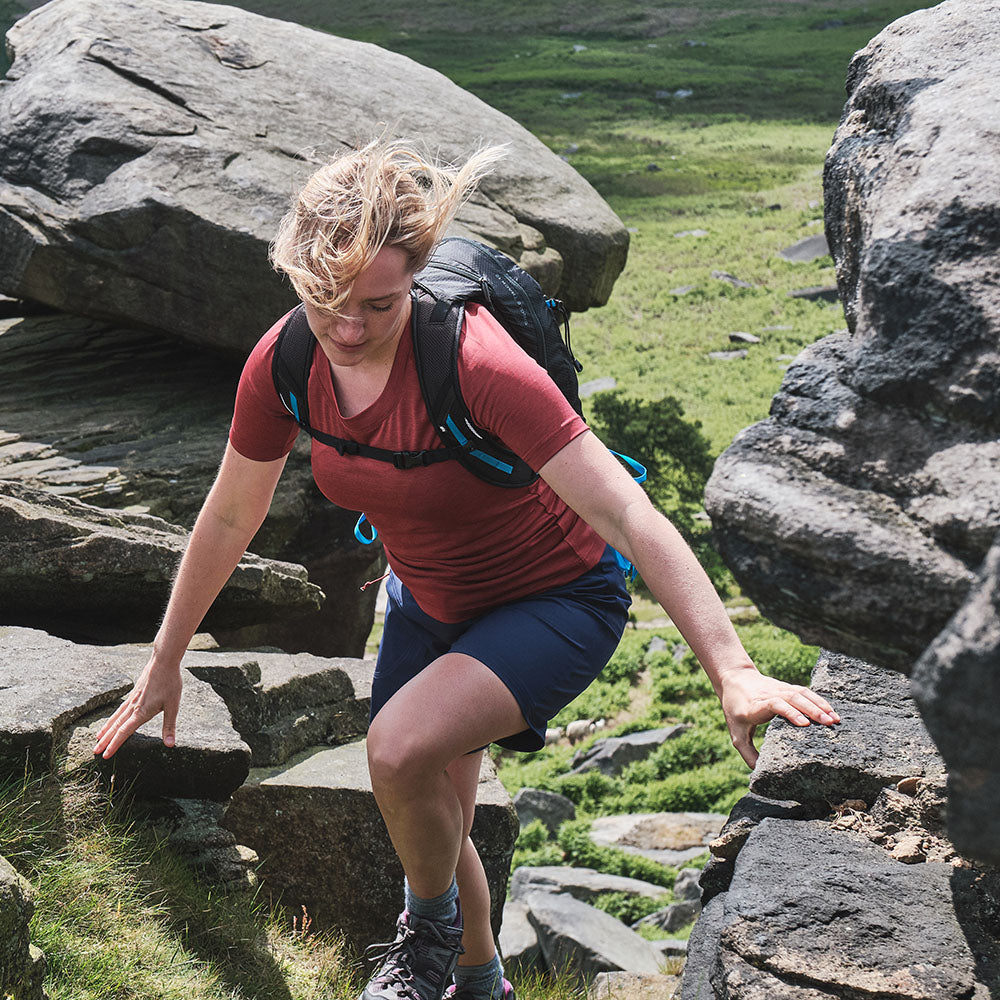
(419, 963)
(454, 993)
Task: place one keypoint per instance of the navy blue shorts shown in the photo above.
(546, 648)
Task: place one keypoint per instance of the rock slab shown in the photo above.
(880, 740)
(132, 132)
(580, 940)
(55, 695)
(84, 570)
(343, 868)
(81, 417)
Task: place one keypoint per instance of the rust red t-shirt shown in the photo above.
(461, 545)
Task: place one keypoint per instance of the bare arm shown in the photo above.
(233, 511)
(590, 480)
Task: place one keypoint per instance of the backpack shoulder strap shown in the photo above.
(290, 368)
(291, 364)
(437, 329)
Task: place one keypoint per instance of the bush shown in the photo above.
(778, 653)
(676, 454)
(581, 851)
(627, 907)
(534, 848)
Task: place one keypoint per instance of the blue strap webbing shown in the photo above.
(360, 535)
(639, 475)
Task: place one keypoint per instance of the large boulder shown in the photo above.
(148, 150)
(323, 844)
(816, 913)
(957, 685)
(16, 907)
(858, 513)
(87, 571)
(131, 420)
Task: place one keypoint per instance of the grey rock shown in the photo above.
(672, 917)
(874, 484)
(207, 117)
(815, 293)
(16, 908)
(193, 829)
(671, 947)
(581, 883)
(32, 985)
(208, 761)
(581, 940)
(691, 232)
(889, 929)
(613, 754)
(702, 952)
(682, 289)
(90, 572)
(656, 645)
(57, 694)
(731, 279)
(81, 417)
(588, 389)
(633, 985)
(727, 355)
(744, 817)
(551, 808)
(343, 868)
(518, 942)
(957, 685)
(686, 885)
(669, 838)
(742, 337)
(717, 876)
(880, 740)
(282, 703)
(806, 250)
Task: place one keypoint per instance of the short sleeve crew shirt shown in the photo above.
(460, 545)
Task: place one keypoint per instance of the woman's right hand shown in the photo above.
(158, 689)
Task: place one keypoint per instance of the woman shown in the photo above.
(503, 604)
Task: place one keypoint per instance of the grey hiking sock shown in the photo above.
(443, 908)
(482, 982)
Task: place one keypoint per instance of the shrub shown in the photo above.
(581, 851)
(628, 907)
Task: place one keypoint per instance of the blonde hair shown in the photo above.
(382, 195)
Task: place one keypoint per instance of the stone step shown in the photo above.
(323, 844)
(282, 703)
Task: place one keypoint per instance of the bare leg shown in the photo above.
(454, 705)
(473, 890)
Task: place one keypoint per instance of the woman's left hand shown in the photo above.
(749, 699)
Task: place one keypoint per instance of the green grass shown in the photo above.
(120, 915)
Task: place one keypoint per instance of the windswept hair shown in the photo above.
(382, 195)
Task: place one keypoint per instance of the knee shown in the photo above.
(396, 761)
